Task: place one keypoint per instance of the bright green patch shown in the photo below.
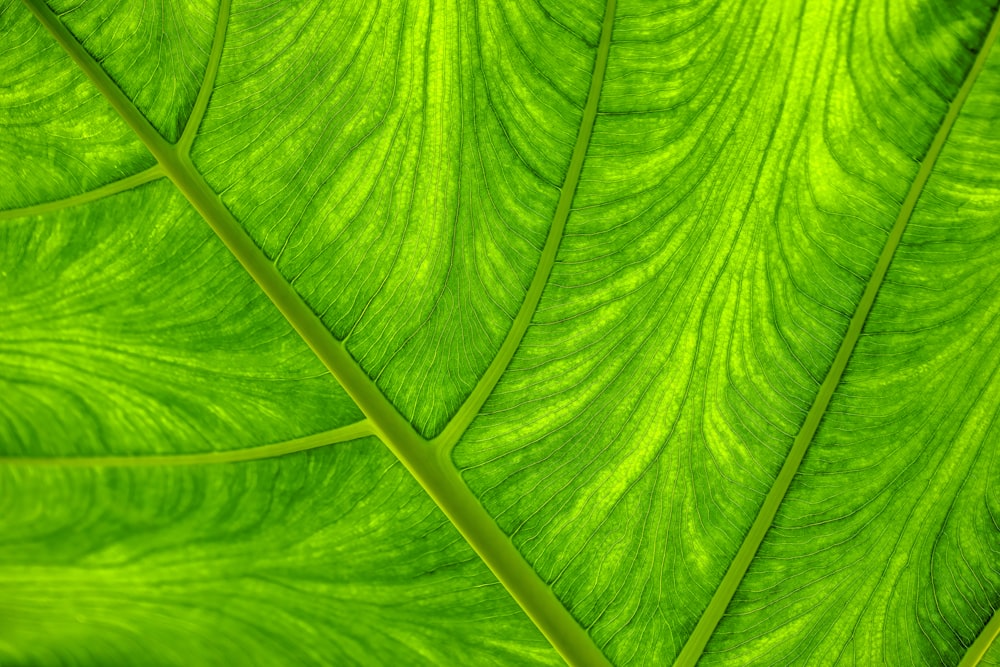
(681, 320)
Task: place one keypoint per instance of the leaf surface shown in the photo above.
(685, 317)
(332, 556)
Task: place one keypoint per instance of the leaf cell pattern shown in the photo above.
(399, 168)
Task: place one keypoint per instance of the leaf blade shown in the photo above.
(560, 447)
(702, 633)
(911, 481)
(150, 565)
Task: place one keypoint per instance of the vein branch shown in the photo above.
(431, 466)
(458, 424)
(343, 434)
(107, 190)
(208, 83)
(177, 166)
(713, 614)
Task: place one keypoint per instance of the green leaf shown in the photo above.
(494, 332)
(247, 564)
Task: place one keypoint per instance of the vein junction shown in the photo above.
(113, 188)
(431, 466)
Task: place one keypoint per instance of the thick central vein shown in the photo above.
(696, 643)
(431, 466)
(977, 650)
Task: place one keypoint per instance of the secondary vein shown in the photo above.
(713, 614)
(343, 434)
(431, 466)
(208, 83)
(113, 188)
(458, 424)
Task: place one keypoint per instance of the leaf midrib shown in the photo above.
(698, 640)
(429, 463)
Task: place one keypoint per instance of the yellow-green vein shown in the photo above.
(343, 434)
(113, 188)
(696, 643)
(434, 472)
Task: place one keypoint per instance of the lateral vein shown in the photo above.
(713, 614)
(208, 83)
(334, 436)
(107, 190)
(458, 424)
(430, 466)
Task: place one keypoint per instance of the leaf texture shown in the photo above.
(685, 315)
(431, 155)
(109, 344)
(333, 556)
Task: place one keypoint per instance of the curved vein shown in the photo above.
(131, 114)
(208, 83)
(434, 472)
(696, 643)
(113, 188)
(343, 434)
(453, 431)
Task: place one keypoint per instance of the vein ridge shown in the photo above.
(457, 425)
(353, 431)
(106, 190)
(713, 614)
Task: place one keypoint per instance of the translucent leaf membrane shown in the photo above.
(128, 328)
(885, 548)
(992, 656)
(58, 136)
(156, 52)
(334, 556)
(746, 166)
(401, 163)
